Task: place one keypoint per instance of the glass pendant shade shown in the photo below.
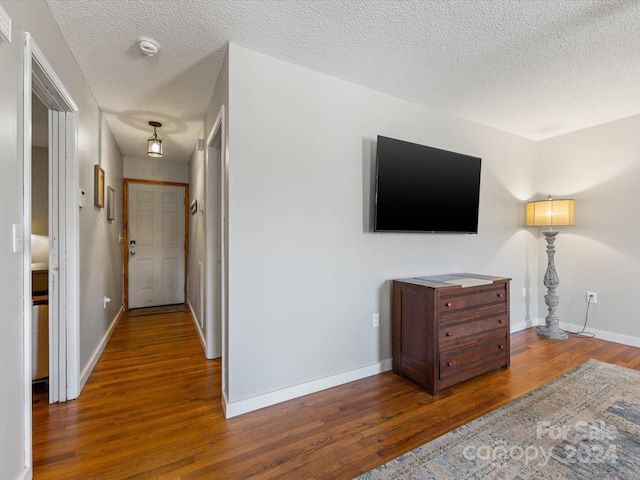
(154, 144)
(154, 148)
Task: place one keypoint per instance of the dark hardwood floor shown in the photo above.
(151, 410)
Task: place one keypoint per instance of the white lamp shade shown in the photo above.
(550, 213)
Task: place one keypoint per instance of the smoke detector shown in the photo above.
(148, 46)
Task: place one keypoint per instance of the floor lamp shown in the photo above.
(551, 213)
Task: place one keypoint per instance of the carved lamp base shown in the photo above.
(552, 323)
(553, 333)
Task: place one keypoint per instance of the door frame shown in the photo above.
(125, 234)
(40, 78)
(217, 248)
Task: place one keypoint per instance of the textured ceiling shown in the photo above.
(535, 68)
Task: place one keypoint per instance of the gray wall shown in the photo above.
(12, 388)
(600, 168)
(100, 247)
(196, 235)
(306, 273)
(156, 169)
(100, 253)
(197, 191)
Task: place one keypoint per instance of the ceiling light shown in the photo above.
(148, 46)
(154, 144)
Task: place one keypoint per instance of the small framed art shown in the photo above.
(111, 203)
(98, 187)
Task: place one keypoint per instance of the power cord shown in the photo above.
(582, 332)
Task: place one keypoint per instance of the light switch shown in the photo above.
(18, 240)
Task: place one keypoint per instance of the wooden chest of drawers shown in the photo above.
(449, 328)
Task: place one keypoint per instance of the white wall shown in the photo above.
(100, 247)
(196, 233)
(600, 168)
(156, 169)
(306, 273)
(197, 189)
(100, 260)
(12, 391)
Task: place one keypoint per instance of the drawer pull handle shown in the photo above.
(449, 364)
(500, 321)
(501, 347)
(499, 295)
(448, 304)
(448, 334)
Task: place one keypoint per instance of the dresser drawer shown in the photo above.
(467, 331)
(492, 351)
(474, 298)
(468, 315)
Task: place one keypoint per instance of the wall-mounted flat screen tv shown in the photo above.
(425, 189)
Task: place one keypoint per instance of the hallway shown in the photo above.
(150, 406)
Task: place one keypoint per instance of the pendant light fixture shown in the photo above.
(154, 144)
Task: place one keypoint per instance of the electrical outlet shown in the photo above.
(376, 320)
(592, 297)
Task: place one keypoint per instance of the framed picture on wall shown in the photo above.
(98, 187)
(111, 205)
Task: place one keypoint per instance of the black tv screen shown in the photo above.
(425, 189)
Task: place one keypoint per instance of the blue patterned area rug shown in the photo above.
(582, 425)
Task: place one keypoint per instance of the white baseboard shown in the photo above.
(234, 409)
(522, 325)
(86, 373)
(196, 323)
(225, 402)
(601, 334)
(26, 474)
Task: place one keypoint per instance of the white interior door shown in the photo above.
(156, 245)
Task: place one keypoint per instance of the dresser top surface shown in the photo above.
(454, 280)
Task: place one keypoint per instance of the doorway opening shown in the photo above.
(40, 234)
(217, 250)
(61, 281)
